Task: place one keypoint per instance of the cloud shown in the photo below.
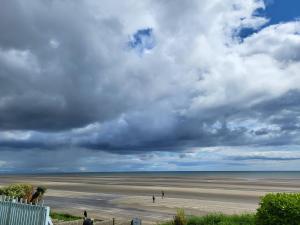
(69, 81)
(274, 156)
(205, 159)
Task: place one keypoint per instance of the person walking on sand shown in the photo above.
(85, 214)
(153, 198)
(162, 194)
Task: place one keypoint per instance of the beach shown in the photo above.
(127, 195)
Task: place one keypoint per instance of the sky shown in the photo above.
(151, 85)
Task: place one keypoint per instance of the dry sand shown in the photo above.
(129, 195)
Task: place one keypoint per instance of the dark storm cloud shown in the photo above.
(280, 113)
(290, 101)
(139, 134)
(50, 77)
(180, 136)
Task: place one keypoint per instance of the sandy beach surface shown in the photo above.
(124, 196)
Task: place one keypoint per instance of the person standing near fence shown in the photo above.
(88, 221)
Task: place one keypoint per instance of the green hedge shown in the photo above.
(221, 219)
(18, 191)
(279, 209)
(212, 219)
(63, 216)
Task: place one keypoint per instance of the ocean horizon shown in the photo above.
(228, 174)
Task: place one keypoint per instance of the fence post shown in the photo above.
(48, 221)
(8, 213)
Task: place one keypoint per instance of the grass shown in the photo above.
(64, 216)
(219, 219)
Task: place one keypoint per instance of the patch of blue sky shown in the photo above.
(276, 11)
(142, 40)
(280, 11)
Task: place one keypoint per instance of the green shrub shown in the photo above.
(221, 219)
(279, 209)
(24, 191)
(18, 191)
(180, 218)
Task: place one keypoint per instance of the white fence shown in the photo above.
(14, 212)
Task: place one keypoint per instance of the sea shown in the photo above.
(251, 175)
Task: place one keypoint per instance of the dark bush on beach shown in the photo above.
(279, 209)
(38, 194)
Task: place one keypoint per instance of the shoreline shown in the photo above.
(129, 195)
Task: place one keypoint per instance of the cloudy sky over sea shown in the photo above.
(89, 85)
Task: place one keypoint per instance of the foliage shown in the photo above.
(63, 216)
(220, 219)
(279, 209)
(24, 191)
(38, 195)
(18, 191)
(41, 189)
(180, 218)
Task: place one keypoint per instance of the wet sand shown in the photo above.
(130, 195)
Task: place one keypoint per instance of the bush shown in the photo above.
(24, 191)
(221, 219)
(279, 209)
(180, 218)
(18, 191)
(38, 195)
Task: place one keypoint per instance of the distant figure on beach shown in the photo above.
(85, 214)
(162, 194)
(153, 198)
